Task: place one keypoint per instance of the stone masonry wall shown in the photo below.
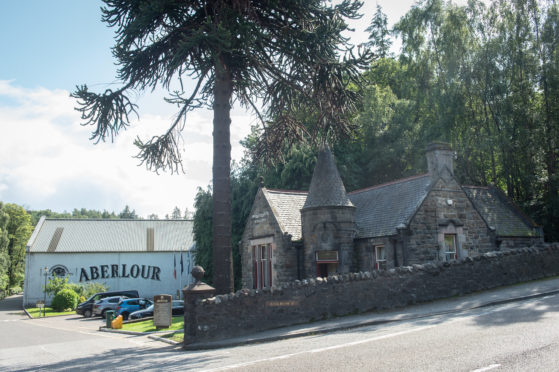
(248, 311)
(262, 224)
(424, 244)
(328, 229)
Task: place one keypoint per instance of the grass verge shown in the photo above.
(36, 312)
(177, 336)
(148, 326)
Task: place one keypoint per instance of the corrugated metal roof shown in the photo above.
(85, 235)
(498, 212)
(380, 209)
(286, 206)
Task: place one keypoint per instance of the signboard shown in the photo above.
(162, 311)
(40, 304)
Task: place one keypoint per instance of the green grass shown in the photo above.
(36, 312)
(148, 326)
(178, 336)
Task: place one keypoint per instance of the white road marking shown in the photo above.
(492, 366)
(286, 356)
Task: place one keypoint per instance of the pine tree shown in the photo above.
(282, 54)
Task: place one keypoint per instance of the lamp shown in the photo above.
(45, 294)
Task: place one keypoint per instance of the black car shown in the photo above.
(86, 308)
(177, 309)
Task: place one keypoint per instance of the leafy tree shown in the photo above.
(203, 232)
(19, 230)
(153, 216)
(284, 55)
(4, 242)
(128, 213)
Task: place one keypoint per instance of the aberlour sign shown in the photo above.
(120, 271)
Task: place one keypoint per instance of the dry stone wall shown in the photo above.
(248, 311)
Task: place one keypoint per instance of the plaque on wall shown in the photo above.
(162, 311)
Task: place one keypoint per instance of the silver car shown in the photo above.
(108, 303)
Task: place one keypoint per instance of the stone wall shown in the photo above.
(328, 229)
(447, 207)
(249, 311)
(262, 225)
(365, 253)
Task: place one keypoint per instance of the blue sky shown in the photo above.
(46, 159)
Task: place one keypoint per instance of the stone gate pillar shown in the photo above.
(194, 292)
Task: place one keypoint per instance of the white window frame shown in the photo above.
(450, 255)
(380, 260)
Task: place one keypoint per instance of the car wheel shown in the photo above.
(104, 314)
(87, 313)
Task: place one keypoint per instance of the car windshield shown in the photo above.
(149, 308)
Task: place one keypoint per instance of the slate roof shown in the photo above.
(327, 188)
(91, 235)
(499, 212)
(382, 208)
(286, 206)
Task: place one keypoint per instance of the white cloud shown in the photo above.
(47, 161)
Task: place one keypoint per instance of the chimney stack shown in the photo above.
(439, 157)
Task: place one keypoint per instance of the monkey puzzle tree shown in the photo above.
(280, 55)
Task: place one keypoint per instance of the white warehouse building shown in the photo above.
(152, 256)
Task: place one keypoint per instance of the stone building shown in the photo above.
(430, 217)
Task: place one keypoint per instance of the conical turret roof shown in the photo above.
(327, 188)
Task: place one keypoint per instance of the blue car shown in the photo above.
(129, 305)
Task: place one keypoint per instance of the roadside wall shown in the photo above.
(248, 311)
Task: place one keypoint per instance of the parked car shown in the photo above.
(177, 309)
(108, 303)
(125, 307)
(86, 307)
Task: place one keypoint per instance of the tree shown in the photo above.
(176, 214)
(19, 230)
(379, 34)
(4, 242)
(284, 55)
(128, 213)
(153, 216)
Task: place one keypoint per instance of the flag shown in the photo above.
(182, 265)
(175, 266)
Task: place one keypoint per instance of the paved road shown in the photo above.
(516, 336)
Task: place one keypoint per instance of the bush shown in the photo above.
(90, 288)
(55, 285)
(65, 299)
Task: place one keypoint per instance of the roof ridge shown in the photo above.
(287, 191)
(389, 183)
(476, 187)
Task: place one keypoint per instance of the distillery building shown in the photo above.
(151, 256)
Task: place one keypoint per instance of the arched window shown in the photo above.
(59, 271)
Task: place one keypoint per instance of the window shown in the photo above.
(262, 265)
(59, 271)
(380, 257)
(450, 247)
(326, 263)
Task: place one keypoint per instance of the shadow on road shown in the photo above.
(171, 358)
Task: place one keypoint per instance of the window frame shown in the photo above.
(380, 263)
(262, 258)
(447, 252)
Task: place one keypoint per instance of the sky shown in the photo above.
(46, 158)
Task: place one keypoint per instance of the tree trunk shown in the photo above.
(222, 249)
